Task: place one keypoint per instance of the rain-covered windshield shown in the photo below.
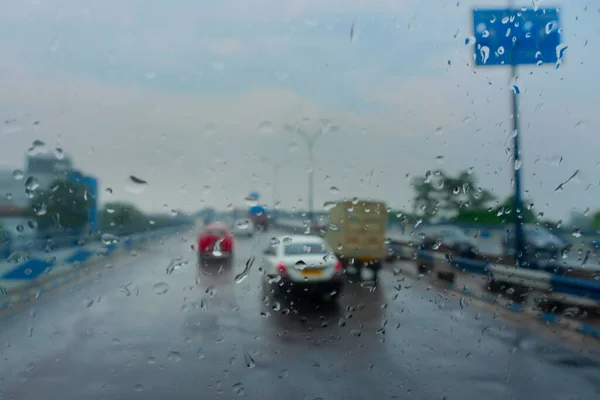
(300, 199)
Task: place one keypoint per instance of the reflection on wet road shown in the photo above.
(201, 335)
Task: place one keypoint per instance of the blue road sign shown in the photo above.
(517, 37)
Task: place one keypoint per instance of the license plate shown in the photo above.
(312, 272)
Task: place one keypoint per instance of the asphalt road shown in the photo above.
(136, 332)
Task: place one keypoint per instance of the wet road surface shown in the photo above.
(133, 331)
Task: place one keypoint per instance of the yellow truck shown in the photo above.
(356, 233)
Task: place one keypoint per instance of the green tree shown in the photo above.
(64, 204)
(596, 221)
(446, 195)
(122, 216)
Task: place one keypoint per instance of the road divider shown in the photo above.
(25, 276)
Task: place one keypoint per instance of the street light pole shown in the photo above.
(310, 144)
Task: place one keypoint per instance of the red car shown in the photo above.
(215, 243)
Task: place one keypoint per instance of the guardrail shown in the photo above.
(550, 280)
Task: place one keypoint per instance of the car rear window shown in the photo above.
(215, 232)
(305, 248)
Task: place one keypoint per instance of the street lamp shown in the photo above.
(310, 144)
(276, 167)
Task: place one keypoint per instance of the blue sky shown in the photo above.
(128, 87)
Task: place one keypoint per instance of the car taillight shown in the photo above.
(281, 269)
(338, 266)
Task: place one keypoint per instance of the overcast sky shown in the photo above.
(191, 94)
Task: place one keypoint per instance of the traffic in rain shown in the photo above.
(300, 199)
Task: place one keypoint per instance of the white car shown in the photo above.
(302, 265)
(243, 227)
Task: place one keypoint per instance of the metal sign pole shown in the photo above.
(518, 204)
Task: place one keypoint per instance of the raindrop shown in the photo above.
(251, 201)
(11, 126)
(577, 233)
(160, 288)
(8, 196)
(329, 205)
(238, 389)
(203, 305)
(555, 160)
(484, 52)
(108, 238)
(176, 264)
(286, 240)
(334, 227)
(439, 130)
(517, 165)
(31, 184)
(20, 228)
(136, 185)
(440, 159)
(462, 302)
(456, 190)
(18, 174)
(470, 170)
(37, 147)
(274, 241)
(249, 361)
(108, 191)
(437, 244)
(59, 153)
(110, 210)
(174, 356)
(334, 190)
(265, 128)
(211, 291)
(244, 274)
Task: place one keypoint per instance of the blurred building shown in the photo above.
(45, 168)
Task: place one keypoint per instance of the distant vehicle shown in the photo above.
(215, 243)
(303, 265)
(243, 227)
(356, 231)
(259, 217)
(450, 237)
(540, 244)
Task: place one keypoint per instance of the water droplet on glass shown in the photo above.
(286, 240)
(517, 165)
(174, 356)
(108, 191)
(37, 147)
(31, 184)
(265, 128)
(329, 205)
(108, 238)
(136, 185)
(20, 228)
(249, 360)
(251, 201)
(11, 126)
(577, 233)
(274, 241)
(59, 153)
(18, 174)
(238, 389)
(484, 52)
(160, 288)
(334, 190)
(211, 291)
